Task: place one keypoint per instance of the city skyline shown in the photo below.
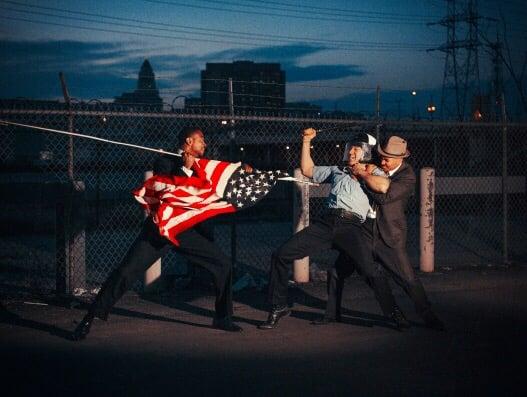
(334, 55)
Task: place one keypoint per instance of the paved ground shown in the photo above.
(163, 345)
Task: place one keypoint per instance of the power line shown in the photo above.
(144, 34)
(320, 10)
(307, 17)
(224, 33)
(342, 10)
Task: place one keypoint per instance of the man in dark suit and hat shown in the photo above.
(388, 232)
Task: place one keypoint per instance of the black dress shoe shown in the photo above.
(83, 329)
(399, 319)
(326, 320)
(226, 324)
(431, 321)
(276, 313)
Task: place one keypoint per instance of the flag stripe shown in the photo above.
(220, 187)
(179, 203)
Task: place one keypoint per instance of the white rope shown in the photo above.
(293, 179)
(34, 127)
(89, 137)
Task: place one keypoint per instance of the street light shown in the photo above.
(414, 94)
(431, 108)
(174, 100)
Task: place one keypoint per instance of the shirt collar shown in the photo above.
(390, 173)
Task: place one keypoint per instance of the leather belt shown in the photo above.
(342, 213)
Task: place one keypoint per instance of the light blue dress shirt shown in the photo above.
(346, 193)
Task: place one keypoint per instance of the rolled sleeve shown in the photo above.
(321, 173)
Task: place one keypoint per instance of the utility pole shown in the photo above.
(70, 221)
(461, 71)
(498, 109)
(378, 112)
(70, 124)
(472, 87)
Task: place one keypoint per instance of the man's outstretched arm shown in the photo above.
(306, 162)
(375, 183)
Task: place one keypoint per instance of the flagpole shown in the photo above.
(292, 179)
(34, 127)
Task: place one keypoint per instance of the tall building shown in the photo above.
(256, 86)
(146, 96)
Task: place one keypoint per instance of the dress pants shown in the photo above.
(148, 247)
(343, 234)
(394, 259)
(397, 262)
(345, 266)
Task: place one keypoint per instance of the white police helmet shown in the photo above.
(363, 140)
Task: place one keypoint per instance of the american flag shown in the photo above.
(178, 203)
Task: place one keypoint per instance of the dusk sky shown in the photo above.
(334, 52)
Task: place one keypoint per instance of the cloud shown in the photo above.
(106, 69)
(297, 74)
(92, 69)
(283, 54)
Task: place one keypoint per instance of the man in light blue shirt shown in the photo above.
(346, 192)
(340, 227)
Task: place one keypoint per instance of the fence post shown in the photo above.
(504, 174)
(232, 155)
(70, 240)
(427, 219)
(153, 273)
(300, 221)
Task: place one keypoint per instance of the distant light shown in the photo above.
(241, 149)
(104, 119)
(45, 155)
(311, 146)
(414, 93)
(224, 122)
(287, 148)
(337, 145)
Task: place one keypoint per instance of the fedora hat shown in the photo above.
(395, 147)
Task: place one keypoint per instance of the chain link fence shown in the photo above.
(65, 235)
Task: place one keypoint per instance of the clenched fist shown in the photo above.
(247, 168)
(308, 134)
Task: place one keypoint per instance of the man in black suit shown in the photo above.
(149, 246)
(388, 233)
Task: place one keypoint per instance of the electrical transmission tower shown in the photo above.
(461, 73)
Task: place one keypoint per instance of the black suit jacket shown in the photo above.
(172, 166)
(168, 166)
(391, 218)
